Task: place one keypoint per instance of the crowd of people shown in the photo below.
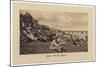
(31, 30)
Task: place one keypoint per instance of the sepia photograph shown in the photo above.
(53, 32)
(44, 33)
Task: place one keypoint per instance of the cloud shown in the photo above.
(62, 20)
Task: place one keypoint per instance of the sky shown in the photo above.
(66, 21)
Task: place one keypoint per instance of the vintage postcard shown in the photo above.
(45, 33)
